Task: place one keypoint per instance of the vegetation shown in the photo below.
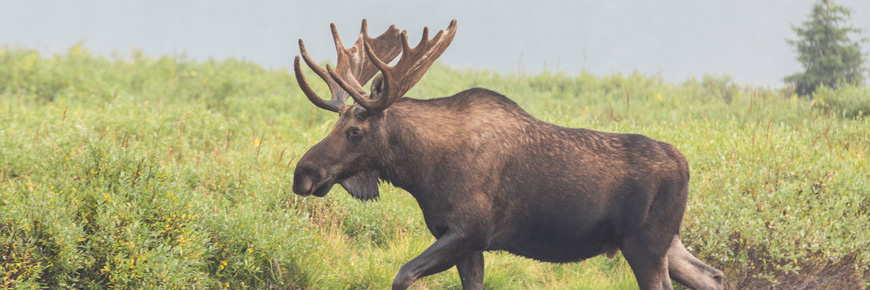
(829, 56)
(139, 172)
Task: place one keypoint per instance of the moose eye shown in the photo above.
(354, 132)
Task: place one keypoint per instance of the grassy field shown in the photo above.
(140, 172)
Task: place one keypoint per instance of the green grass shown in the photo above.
(139, 172)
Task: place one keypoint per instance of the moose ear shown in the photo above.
(363, 186)
(377, 86)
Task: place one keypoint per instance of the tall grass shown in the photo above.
(139, 172)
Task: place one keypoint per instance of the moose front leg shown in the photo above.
(470, 270)
(450, 249)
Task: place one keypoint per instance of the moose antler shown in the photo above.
(352, 64)
(398, 79)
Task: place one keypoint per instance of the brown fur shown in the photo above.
(489, 176)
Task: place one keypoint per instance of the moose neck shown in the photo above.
(416, 134)
(424, 142)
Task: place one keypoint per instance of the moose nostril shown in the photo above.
(302, 184)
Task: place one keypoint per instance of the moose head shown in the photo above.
(349, 153)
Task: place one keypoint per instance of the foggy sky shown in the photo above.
(676, 39)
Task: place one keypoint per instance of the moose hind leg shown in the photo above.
(689, 271)
(646, 253)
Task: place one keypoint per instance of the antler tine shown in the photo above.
(336, 38)
(312, 96)
(425, 35)
(344, 66)
(405, 45)
(333, 104)
(409, 70)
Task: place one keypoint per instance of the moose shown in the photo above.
(490, 177)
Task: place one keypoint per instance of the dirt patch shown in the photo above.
(841, 274)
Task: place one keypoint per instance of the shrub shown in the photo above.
(847, 101)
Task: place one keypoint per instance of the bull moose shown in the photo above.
(488, 176)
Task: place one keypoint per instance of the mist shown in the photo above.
(674, 39)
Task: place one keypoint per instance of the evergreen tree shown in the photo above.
(829, 56)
